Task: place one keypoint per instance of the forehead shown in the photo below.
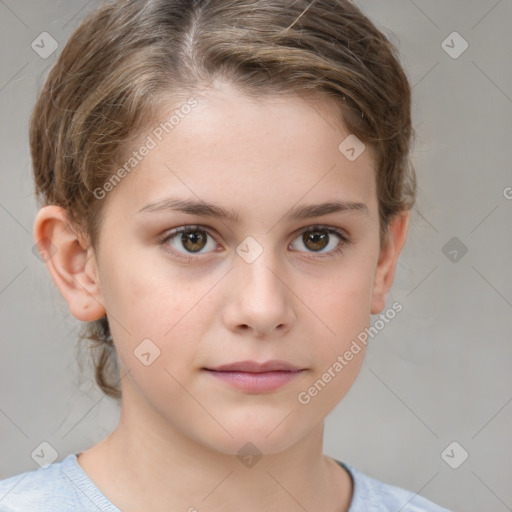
(257, 155)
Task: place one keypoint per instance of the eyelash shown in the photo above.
(188, 257)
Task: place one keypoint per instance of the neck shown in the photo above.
(157, 467)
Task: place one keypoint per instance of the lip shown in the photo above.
(274, 365)
(254, 377)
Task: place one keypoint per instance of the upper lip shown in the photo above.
(255, 367)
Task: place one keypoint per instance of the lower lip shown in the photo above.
(256, 382)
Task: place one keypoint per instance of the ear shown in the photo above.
(388, 259)
(71, 262)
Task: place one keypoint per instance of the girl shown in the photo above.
(225, 189)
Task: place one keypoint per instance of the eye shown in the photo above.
(317, 238)
(185, 241)
(192, 238)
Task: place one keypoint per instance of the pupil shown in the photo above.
(194, 238)
(319, 240)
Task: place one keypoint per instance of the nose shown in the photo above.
(260, 301)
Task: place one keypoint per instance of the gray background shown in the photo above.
(439, 372)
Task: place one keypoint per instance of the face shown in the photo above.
(259, 284)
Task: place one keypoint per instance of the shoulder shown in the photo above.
(41, 489)
(60, 487)
(371, 495)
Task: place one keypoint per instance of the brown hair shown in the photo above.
(129, 57)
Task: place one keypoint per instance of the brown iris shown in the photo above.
(319, 239)
(194, 241)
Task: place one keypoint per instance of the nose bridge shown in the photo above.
(261, 299)
(259, 268)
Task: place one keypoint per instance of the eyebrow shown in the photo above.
(206, 209)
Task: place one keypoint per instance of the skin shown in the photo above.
(180, 428)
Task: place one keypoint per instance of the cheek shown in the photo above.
(171, 311)
(342, 312)
(146, 296)
(340, 301)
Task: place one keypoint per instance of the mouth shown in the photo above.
(254, 377)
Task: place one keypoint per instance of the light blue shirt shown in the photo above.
(65, 487)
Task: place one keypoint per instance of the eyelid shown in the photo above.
(326, 227)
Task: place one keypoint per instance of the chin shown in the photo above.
(255, 445)
(262, 435)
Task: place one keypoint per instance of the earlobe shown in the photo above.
(388, 259)
(70, 261)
